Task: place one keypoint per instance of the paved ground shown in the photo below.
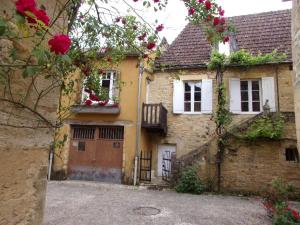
(84, 203)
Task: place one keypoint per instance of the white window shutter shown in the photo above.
(207, 96)
(268, 92)
(178, 96)
(235, 95)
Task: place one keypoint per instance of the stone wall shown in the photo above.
(296, 60)
(247, 166)
(188, 132)
(24, 151)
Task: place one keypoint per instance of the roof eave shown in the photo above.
(202, 66)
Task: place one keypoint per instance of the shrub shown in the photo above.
(266, 127)
(189, 182)
(288, 217)
(275, 199)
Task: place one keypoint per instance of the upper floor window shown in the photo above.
(105, 91)
(192, 96)
(224, 48)
(250, 96)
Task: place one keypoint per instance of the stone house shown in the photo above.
(174, 119)
(191, 99)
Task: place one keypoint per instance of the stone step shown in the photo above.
(154, 186)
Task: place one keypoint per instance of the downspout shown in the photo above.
(50, 161)
(277, 86)
(138, 124)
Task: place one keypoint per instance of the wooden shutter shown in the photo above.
(235, 95)
(207, 96)
(268, 92)
(84, 95)
(178, 96)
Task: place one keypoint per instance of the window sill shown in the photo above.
(95, 109)
(193, 113)
(246, 113)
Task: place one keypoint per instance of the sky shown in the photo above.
(173, 17)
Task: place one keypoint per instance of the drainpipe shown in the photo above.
(138, 124)
(277, 86)
(50, 161)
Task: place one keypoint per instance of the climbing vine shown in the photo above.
(265, 127)
(222, 117)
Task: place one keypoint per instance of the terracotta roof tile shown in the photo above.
(262, 32)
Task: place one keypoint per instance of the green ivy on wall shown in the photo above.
(265, 127)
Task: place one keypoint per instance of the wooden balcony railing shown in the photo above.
(154, 118)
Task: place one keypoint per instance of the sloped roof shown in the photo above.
(262, 32)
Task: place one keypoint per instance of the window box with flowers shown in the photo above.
(99, 94)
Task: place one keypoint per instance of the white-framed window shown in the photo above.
(108, 86)
(224, 48)
(251, 100)
(248, 96)
(192, 96)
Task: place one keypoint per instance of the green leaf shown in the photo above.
(2, 27)
(67, 59)
(20, 19)
(41, 55)
(30, 71)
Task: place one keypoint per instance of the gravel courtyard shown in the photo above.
(89, 203)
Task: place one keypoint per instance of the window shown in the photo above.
(107, 82)
(192, 96)
(292, 155)
(250, 96)
(224, 48)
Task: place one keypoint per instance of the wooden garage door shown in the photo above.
(96, 153)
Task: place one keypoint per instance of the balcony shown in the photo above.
(154, 118)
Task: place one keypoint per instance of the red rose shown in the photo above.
(150, 45)
(142, 37)
(191, 11)
(295, 214)
(93, 97)
(25, 5)
(103, 103)
(225, 39)
(221, 11)
(60, 44)
(88, 102)
(156, 1)
(208, 5)
(159, 27)
(222, 21)
(40, 15)
(86, 71)
(216, 21)
(200, 1)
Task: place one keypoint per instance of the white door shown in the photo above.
(164, 150)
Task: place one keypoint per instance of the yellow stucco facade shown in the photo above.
(128, 102)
